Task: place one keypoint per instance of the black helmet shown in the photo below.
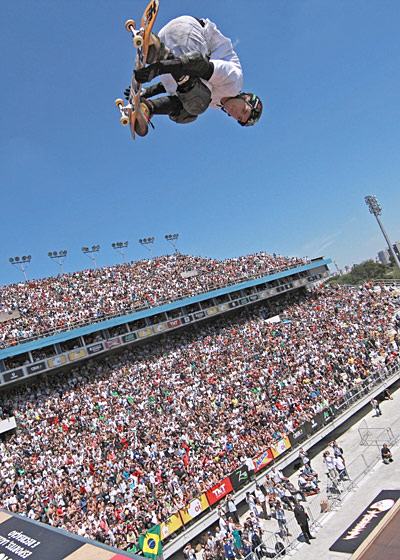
(256, 107)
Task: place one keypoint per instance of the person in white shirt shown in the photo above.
(199, 69)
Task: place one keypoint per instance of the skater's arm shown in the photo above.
(192, 64)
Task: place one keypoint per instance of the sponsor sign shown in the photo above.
(161, 327)
(212, 311)
(112, 342)
(194, 508)
(187, 319)
(77, 354)
(365, 523)
(300, 434)
(36, 368)
(233, 304)
(173, 523)
(199, 314)
(94, 348)
(13, 375)
(218, 491)
(243, 300)
(263, 460)
(129, 337)
(22, 538)
(57, 361)
(239, 477)
(282, 446)
(173, 323)
(145, 332)
(254, 297)
(223, 306)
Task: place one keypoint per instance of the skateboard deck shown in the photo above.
(141, 42)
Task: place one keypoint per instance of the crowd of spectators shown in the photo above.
(110, 448)
(56, 304)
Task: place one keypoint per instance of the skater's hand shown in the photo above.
(148, 73)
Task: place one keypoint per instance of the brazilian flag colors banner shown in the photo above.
(150, 543)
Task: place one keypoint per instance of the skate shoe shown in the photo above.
(143, 118)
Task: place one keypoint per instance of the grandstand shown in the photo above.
(147, 420)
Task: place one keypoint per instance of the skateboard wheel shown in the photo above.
(124, 120)
(129, 24)
(138, 41)
(119, 103)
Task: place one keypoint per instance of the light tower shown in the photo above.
(147, 242)
(376, 209)
(172, 238)
(119, 246)
(58, 257)
(91, 253)
(21, 263)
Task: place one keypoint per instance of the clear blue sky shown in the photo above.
(328, 73)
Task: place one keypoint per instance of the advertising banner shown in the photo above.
(282, 446)
(94, 348)
(243, 300)
(77, 354)
(194, 508)
(36, 368)
(22, 538)
(263, 460)
(173, 323)
(233, 304)
(300, 434)
(218, 491)
(173, 523)
(365, 523)
(129, 337)
(223, 306)
(239, 477)
(254, 297)
(57, 361)
(212, 310)
(143, 333)
(161, 327)
(12, 375)
(199, 314)
(112, 342)
(187, 319)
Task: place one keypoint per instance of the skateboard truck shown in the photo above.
(124, 119)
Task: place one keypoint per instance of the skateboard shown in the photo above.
(141, 42)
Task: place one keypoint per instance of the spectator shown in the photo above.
(302, 518)
(376, 407)
(386, 454)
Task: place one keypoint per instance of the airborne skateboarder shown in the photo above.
(198, 69)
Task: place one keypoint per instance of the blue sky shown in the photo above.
(328, 74)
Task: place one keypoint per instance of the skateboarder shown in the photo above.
(198, 69)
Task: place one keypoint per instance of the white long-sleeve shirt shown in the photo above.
(185, 34)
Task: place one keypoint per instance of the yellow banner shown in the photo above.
(57, 361)
(142, 333)
(212, 310)
(77, 354)
(281, 447)
(194, 508)
(172, 524)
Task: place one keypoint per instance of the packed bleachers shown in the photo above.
(55, 304)
(115, 446)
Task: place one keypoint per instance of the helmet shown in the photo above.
(256, 107)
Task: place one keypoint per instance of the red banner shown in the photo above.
(218, 491)
(263, 460)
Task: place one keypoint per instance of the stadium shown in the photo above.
(131, 421)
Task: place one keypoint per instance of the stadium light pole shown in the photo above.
(21, 263)
(376, 209)
(119, 246)
(172, 238)
(91, 253)
(147, 243)
(58, 257)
